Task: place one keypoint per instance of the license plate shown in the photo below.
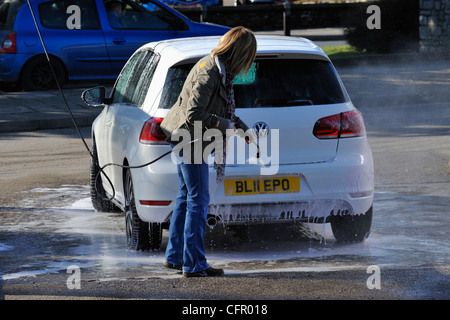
(240, 187)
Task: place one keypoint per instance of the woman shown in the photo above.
(207, 96)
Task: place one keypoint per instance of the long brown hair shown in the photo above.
(238, 48)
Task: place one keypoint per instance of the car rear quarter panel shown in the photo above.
(158, 181)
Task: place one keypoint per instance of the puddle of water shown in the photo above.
(5, 247)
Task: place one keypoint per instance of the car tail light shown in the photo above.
(9, 43)
(328, 128)
(152, 133)
(352, 124)
(344, 125)
(154, 202)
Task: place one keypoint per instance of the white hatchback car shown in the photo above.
(316, 165)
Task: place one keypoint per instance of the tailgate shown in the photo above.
(290, 138)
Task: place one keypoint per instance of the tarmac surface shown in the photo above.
(30, 111)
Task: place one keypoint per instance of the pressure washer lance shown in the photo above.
(258, 153)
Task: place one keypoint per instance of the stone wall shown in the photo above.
(434, 26)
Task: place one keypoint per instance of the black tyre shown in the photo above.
(351, 228)
(99, 200)
(140, 235)
(155, 235)
(37, 74)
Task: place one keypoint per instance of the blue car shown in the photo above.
(86, 39)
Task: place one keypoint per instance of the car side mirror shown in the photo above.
(94, 97)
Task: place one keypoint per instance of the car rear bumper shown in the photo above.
(342, 185)
(10, 66)
(315, 211)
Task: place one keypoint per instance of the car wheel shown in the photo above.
(155, 235)
(351, 228)
(37, 74)
(98, 194)
(140, 235)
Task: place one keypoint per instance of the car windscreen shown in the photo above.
(271, 83)
(8, 12)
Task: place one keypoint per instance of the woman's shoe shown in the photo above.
(172, 266)
(210, 272)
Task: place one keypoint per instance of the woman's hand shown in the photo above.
(249, 136)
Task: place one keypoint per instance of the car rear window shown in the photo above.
(272, 83)
(8, 12)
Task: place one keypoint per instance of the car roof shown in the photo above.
(182, 49)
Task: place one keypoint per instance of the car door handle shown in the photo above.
(119, 41)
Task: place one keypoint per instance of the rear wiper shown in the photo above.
(277, 102)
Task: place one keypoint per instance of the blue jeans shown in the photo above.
(187, 229)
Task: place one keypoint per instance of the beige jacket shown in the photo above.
(203, 98)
